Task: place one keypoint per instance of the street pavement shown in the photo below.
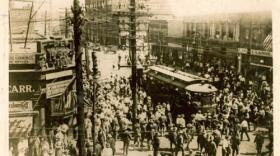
(106, 62)
(247, 148)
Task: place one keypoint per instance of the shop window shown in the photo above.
(230, 31)
(247, 34)
(207, 30)
(224, 30)
(217, 31)
(255, 34)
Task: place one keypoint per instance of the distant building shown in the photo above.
(237, 39)
(109, 21)
(19, 16)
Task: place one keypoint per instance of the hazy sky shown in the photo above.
(181, 7)
(199, 7)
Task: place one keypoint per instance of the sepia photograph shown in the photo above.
(140, 78)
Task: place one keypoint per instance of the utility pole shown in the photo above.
(132, 47)
(249, 48)
(77, 21)
(93, 97)
(45, 31)
(87, 57)
(10, 31)
(28, 25)
(66, 24)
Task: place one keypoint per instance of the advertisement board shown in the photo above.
(20, 106)
(242, 50)
(56, 88)
(261, 53)
(22, 58)
(59, 74)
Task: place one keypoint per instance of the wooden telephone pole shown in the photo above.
(77, 21)
(132, 48)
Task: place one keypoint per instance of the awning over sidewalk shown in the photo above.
(20, 126)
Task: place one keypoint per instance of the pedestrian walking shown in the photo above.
(235, 143)
(244, 129)
(112, 142)
(22, 146)
(259, 140)
(126, 140)
(179, 144)
(45, 147)
(212, 147)
(172, 137)
(156, 144)
(137, 136)
(226, 146)
(200, 141)
(107, 151)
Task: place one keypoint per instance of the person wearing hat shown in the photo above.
(126, 140)
(259, 140)
(172, 135)
(112, 142)
(244, 129)
(137, 136)
(179, 144)
(212, 147)
(156, 144)
(235, 143)
(226, 150)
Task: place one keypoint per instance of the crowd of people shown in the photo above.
(241, 107)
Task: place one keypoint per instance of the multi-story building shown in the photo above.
(109, 21)
(41, 88)
(239, 40)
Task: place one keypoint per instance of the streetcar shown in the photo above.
(186, 93)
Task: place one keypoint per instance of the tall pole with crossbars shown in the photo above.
(77, 22)
(132, 48)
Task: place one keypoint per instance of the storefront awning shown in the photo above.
(261, 65)
(20, 126)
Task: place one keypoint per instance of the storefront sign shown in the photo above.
(261, 53)
(242, 50)
(21, 89)
(20, 125)
(55, 89)
(22, 58)
(20, 106)
(58, 74)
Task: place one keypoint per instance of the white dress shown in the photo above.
(22, 147)
(107, 152)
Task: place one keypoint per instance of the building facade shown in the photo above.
(241, 40)
(109, 21)
(41, 89)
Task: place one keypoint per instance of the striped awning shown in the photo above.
(267, 43)
(20, 126)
